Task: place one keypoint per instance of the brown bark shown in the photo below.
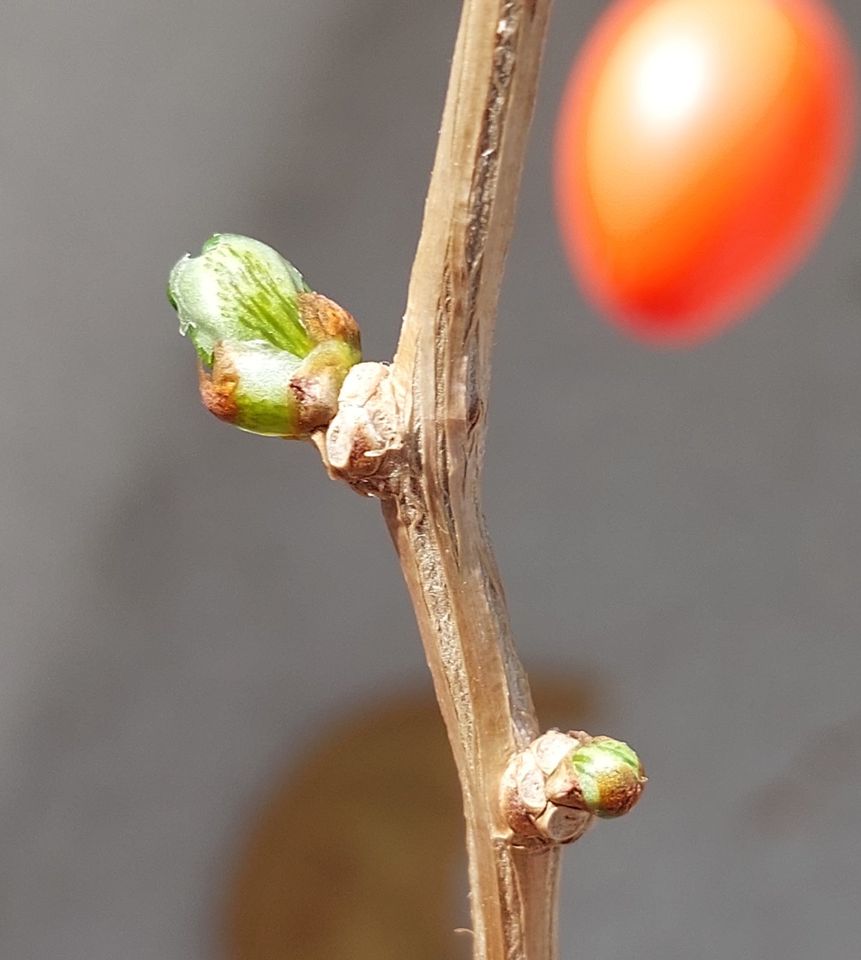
(441, 377)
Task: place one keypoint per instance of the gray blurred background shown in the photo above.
(185, 606)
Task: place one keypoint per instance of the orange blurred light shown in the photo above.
(701, 147)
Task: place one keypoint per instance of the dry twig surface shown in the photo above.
(441, 379)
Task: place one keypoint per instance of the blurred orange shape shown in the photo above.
(701, 148)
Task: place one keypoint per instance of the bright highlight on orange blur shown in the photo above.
(701, 147)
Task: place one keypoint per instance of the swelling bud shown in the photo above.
(272, 353)
(602, 776)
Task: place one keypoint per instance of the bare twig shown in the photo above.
(412, 433)
(441, 377)
(279, 359)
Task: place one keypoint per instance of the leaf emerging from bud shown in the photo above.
(273, 354)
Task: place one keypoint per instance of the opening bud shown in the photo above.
(272, 353)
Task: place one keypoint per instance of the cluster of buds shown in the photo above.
(553, 790)
(272, 353)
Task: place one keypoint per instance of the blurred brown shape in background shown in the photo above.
(358, 854)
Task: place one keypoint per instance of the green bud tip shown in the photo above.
(273, 353)
(608, 775)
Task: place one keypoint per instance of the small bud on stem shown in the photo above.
(602, 776)
(552, 791)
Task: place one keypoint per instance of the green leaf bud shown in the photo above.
(602, 776)
(273, 354)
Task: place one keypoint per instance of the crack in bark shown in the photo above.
(487, 166)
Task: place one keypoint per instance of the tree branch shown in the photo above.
(441, 379)
(413, 434)
(279, 359)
